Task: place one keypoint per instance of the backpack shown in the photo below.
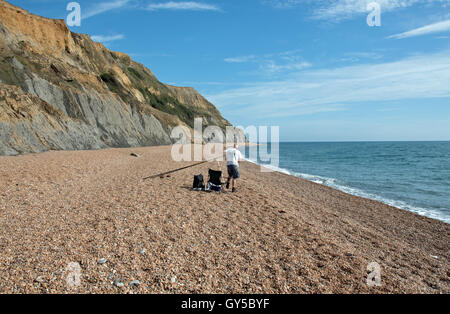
(198, 184)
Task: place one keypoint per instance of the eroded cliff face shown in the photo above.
(61, 91)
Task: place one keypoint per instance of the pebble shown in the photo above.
(118, 283)
(142, 252)
(102, 261)
(135, 283)
(173, 280)
(135, 155)
(39, 279)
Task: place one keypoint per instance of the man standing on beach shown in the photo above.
(234, 156)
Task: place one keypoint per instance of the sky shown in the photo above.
(315, 68)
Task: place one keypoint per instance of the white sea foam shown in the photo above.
(334, 183)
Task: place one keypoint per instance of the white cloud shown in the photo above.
(107, 39)
(357, 56)
(310, 91)
(284, 4)
(103, 7)
(273, 63)
(240, 59)
(343, 9)
(428, 29)
(336, 10)
(188, 5)
(273, 67)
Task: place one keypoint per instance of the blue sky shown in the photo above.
(313, 67)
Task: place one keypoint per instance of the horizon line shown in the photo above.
(364, 141)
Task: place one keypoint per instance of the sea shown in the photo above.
(413, 176)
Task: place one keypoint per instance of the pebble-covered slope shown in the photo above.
(278, 234)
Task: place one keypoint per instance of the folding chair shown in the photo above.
(215, 180)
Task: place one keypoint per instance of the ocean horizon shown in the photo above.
(410, 175)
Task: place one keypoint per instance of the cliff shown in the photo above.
(61, 91)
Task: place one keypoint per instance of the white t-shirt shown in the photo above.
(233, 156)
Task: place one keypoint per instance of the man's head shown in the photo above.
(236, 146)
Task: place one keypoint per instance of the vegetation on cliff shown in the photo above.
(105, 99)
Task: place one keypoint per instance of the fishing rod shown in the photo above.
(176, 170)
(161, 175)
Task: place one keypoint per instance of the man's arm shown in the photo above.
(240, 157)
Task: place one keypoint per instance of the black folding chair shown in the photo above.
(215, 180)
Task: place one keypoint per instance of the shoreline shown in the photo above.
(278, 234)
(360, 193)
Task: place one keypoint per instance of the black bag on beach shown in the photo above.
(198, 184)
